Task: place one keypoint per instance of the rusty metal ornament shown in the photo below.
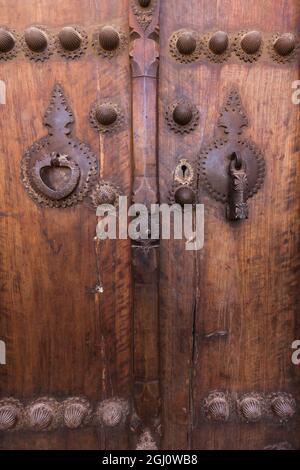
(217, 407)
(237, 207)
(43, 414)
(251, 407)
(58, 170)
(215, 159)
(143, 11)
(183, 190)
(105, 192)
(283, 48)
(76, 412)
(182, 116)
(37, 43)
(112, 412)
(248, 45)
(106, 117)
(283, 406)
(108, 41)
(217, 46)
(71, 42)
(11, 414)
(185, 46)
(8, 43)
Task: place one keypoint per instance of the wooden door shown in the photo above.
(229, 312)
(124, 344)
(66, 340)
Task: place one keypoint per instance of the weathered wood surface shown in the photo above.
(62, 338)
(245, 278)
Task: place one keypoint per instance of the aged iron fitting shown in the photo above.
(7, 40)
(36, 39)
(251, 42)
(237, 208)
(69, 38)
(186, 43)
(109, 38)
(285, 44)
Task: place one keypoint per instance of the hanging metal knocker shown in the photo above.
(237, 207)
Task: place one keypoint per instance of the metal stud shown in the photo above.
(144, 3)
(183, 113)
(36, 39)
(109, 38)
(41, 416)
(251, 42)
(285, 44)
(69, 38)
(219, 42)
(106, 114)
(185, 195)
(251, 409)
(283, 406)
(186, 43)
(7, 41)
(8, 417)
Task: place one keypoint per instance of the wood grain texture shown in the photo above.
(61, 337)
(244, 280)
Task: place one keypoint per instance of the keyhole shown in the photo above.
(184, 172)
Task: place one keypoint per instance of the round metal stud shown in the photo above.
(186, 43)
(144, 3)
(251, 409)
(106, 114)
(109, 38)
(7, 41)
(251, 42)
(185, 195)
(219, 42)
(69, 38)
(285, 44)
(284, 407)
(36, 39)
(183, 114)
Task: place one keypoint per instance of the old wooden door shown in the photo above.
(124, 344)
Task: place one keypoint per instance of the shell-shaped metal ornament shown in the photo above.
(106, 117)
(36, 39)
(74, 415)
(109, 38)
(40, 416)
(251, 409)
(112, 412)
(69, 38)
(218, 409)
(7, 40)
(284, 407)
(8, 417)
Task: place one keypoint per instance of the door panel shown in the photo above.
(229, 312)
(63, 338)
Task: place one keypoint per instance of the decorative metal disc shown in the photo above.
(182, 128)
(37, 34)
(241, 52)
(9, 43)
(210, 54)
(107, 125)
(105, 52)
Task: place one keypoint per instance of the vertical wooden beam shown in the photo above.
(145, 254)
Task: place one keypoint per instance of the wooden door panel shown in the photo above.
(62, 338)
(229, 312)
